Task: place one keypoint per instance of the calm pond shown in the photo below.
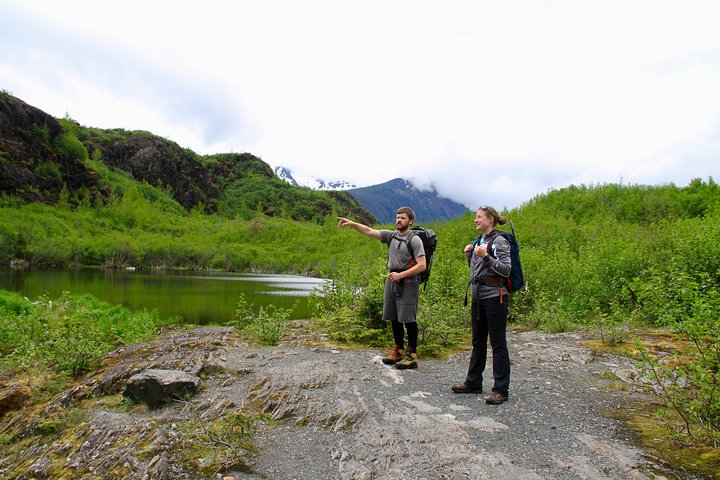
(200, 298)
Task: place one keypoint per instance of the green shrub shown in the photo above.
(68, 144)
(268, 325)
(69, 334)
(49, 169)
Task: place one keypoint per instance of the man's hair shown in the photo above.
(407, 211)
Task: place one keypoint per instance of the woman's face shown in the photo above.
(483, 220)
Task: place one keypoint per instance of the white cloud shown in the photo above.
(491, 102)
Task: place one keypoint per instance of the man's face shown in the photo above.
(402, 222)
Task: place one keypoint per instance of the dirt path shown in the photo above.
(339, 414)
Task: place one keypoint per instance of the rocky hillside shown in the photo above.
(34, 161)
(41, 156)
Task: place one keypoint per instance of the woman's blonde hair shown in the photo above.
(497, 218)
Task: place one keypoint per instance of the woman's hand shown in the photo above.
(481, 250)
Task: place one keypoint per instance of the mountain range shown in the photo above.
(384, 199)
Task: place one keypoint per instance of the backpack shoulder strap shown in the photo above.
(410, 236)
(407, 241)
(491, 239)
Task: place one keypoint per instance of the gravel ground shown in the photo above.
(342, 414)
(348, 416)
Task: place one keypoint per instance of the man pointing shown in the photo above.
(400, 301)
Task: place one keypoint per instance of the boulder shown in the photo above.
(155, 386)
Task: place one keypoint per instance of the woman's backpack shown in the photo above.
(516, 280)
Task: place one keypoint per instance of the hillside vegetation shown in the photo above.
(618, 261)
(134, 231)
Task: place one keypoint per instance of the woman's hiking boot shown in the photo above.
(396, 354)
(408, 361)
(496, 398)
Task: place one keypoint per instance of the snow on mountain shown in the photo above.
(312, 183)
(285, 174)
(383, 199)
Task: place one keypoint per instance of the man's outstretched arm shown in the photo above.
(359, 227)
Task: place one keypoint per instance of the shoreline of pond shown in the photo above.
(199, 297)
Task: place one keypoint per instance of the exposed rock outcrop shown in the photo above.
(315, 412)
(30, 165)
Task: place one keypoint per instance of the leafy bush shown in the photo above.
(68, 143)
(349, 307)
(268, 325)
(68, 334)
(49, 169)
(691, 387)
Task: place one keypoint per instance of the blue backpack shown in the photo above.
(516, 280)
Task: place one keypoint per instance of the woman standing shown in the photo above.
(489, 260)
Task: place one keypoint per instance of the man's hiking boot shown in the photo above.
(496, 398)
(409, 361)
(396, 354)
(465, 388)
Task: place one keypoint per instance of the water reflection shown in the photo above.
(204, 298)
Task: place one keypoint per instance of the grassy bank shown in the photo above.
(135, 231)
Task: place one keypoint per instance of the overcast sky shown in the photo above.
(492, 101)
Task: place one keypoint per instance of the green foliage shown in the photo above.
(49, 169)
(68, 143)
(628, 204)
(691, 301)
(41, 133)
(273, 197)
(141, 227)
(349, 306)
(267, 325)
(68, 334)
(122, 182)
(691, 388)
